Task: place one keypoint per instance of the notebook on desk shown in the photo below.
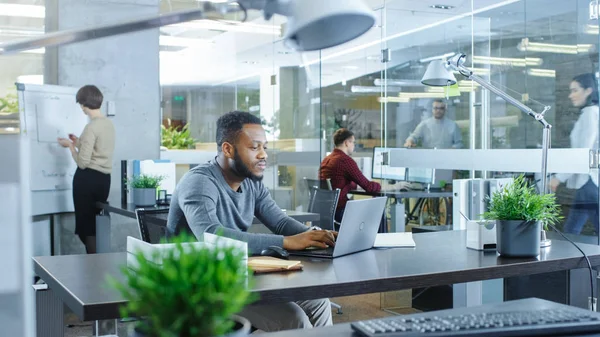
(358, 230)
(391, 240)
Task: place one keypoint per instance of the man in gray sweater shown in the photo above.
(227, 193)
(438, 131)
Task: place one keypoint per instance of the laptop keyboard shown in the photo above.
(324, 252)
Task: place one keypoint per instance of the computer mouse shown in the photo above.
(275, 251)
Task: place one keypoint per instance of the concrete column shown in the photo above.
(125, 68)
(298, 117)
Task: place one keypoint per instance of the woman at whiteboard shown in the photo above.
(93, 153)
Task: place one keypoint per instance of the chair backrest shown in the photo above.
(152, 224)
(324, 202)
(323, 184)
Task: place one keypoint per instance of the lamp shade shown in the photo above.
(437, 75)
(320, 24)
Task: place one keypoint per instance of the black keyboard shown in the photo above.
(510, 323)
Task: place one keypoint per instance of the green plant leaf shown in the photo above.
(194, 292)
(145, 181)
(176, 138)
(520, 201)
(9, 104)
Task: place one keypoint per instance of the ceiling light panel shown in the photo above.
(526, 45)
(393, 100)
(25, 11)
(231, 26)
(20, 32)
(508, 61)
(592, 29)
(541, 72)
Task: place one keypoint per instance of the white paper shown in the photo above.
(386, 240)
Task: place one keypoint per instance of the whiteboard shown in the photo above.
(49, 112)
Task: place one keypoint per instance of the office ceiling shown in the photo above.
(414, 29)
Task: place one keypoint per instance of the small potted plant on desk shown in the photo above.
(191, 292)
(144, 188)
(520, 212)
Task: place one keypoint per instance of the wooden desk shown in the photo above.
(438, 259)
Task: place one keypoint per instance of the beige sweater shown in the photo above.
(96, 146)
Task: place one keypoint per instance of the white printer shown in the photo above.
(481, 234)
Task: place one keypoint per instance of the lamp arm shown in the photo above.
(537, 116)
(213, 11)
(456, 63)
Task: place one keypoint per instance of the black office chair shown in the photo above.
(323, 184)
(152, 224)
(324, 202)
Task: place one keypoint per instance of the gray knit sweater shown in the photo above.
(204, 202)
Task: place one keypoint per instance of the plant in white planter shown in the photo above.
(193, 292)
(144, 188)
(520, 212)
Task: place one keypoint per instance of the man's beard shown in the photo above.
(241, 170)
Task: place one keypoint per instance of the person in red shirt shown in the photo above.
(343, 170)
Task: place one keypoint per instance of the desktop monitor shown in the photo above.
(381, 166)
(429, 176)
(420, 175)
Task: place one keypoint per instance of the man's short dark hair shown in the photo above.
(439, 100)
(90, 97)
(341, 135)
(230, 124)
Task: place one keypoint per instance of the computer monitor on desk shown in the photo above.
(420, 175)
(382, 168)
(428, 176)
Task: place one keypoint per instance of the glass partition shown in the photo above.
(545, 53)
(247, 69)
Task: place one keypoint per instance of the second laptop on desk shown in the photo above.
(358, 230)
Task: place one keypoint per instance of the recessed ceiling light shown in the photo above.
(441, 6)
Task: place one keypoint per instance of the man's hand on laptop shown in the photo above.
(311, 238)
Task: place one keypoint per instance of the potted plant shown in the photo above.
(194, 291)
(9, 112)
(144, 189)
(520, 212)
(9, 104)
(175, 137)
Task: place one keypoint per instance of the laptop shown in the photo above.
(358, 229)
